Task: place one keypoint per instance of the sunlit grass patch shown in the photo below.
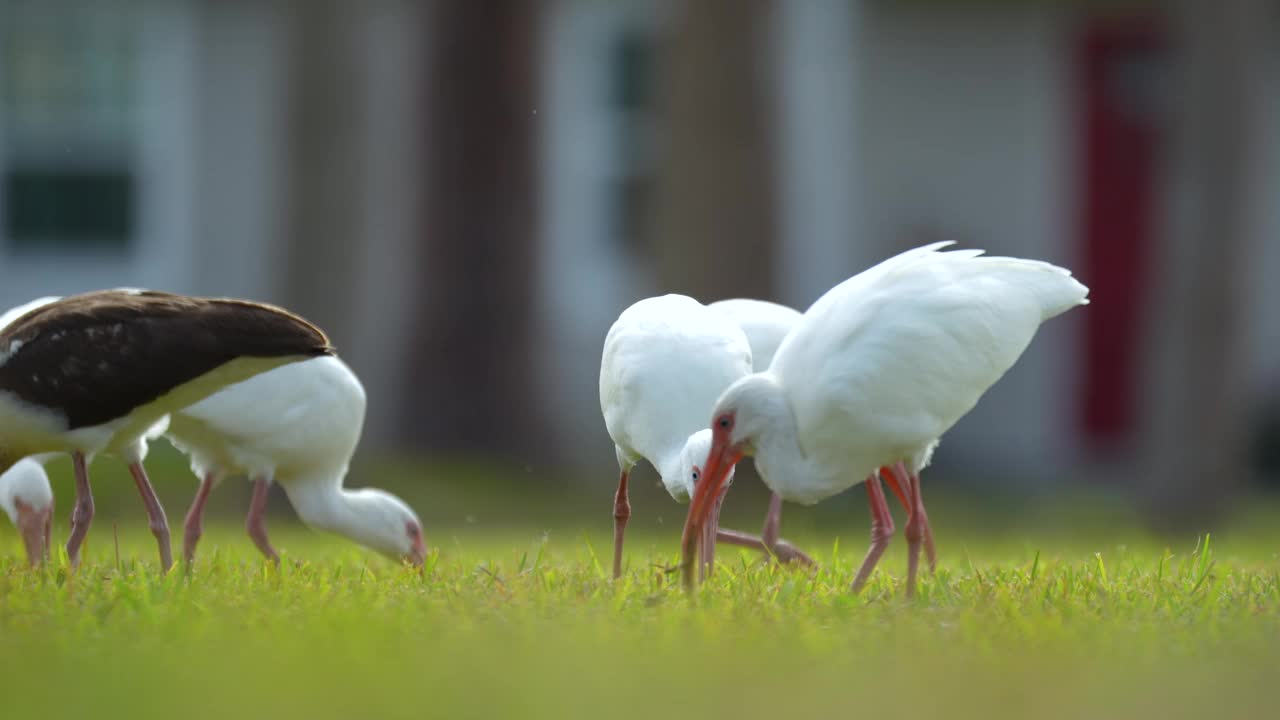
(519, 624)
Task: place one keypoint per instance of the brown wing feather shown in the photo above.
(99, 355)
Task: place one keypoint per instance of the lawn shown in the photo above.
(515, 623)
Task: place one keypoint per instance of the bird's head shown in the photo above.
(392, 528)
(744, 412)
(683, 481)
(27, 498)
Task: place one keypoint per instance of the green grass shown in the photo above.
(526, 623)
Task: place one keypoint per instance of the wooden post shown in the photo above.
(714, 221)
(468, 388)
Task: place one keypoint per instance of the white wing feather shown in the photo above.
(893, 357)
(766, 325)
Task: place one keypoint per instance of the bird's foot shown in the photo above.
(787, 553)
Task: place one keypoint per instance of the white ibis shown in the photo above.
(766, 325)
(665, 361)
(297, 425)
(27, 499)
(95, 372)
(873, 374)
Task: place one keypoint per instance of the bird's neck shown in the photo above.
(779, 456)
(323, 504)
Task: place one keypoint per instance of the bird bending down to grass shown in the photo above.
(297, 425)
(766, 325)
(665, 361)
(95, 372)
(872, 375)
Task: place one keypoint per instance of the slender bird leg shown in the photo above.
(82, 512)
(256, 522)
(621, 514)
(48, 532)
(914, 532)
(784, 551)
(193, 526)
(768, 542)
(772, 521)
(890, 477)
(781, 549)
(914, 507)
(155, 512)
(881, 532)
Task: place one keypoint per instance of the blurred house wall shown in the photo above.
(121, 108)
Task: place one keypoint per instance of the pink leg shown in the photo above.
(881, 532)
(781, 549)
(621, 514)
(256, 523)
(82, 512)
(914, 530)
(896, 477)
(772, 520)
(193, 526)
(48, 533)
(768, 542)
(155, 513)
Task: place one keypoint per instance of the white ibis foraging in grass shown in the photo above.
(665, 361)
(873, 374)
(297, 425)
(27, 499)
(95, 372)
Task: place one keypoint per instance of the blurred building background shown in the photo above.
(466, 193)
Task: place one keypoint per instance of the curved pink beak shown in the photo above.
(36, 527)
(715, 472)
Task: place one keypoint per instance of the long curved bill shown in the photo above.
(715, 472)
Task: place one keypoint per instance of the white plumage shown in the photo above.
(297, 425)
(666, 360)
(879, 368)
(765, 324)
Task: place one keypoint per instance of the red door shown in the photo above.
(1120, 65)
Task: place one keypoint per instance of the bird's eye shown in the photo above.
(725, 421)
(695, 474)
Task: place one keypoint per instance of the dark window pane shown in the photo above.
(632, 70)
(82, 209)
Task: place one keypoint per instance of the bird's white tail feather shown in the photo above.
(1054, 287)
